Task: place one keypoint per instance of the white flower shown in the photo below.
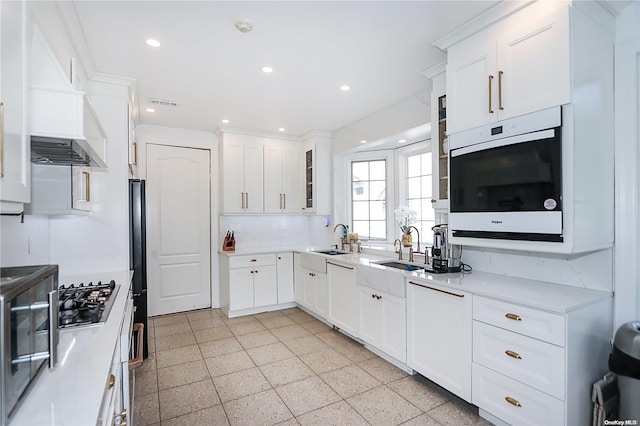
(405, 217)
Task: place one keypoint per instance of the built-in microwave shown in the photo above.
(28, 330)
(506, 179)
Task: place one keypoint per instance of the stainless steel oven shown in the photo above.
(28, 329)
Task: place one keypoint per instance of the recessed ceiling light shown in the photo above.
(345, 88)
(402, 141)
(153, 42)
(267, 70)
(281, 129)
(243, 25)
(363, 141)
(151, 110)
(225, 121)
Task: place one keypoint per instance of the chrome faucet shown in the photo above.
(411, 252)
(399, 251)
(343, 240)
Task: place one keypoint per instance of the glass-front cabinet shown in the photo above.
(439, 139)
(308, 180)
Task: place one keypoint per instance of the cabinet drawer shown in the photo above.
(538, 364)
(530, 322)
(254, 260)
(512, 401)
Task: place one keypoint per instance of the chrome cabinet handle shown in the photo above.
(500, 107)
(284, 201)
(490, 100)
(246, 203)
(53, 325)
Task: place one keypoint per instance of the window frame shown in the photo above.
(388, 157)
(401, 158)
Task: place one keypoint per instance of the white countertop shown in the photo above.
(547, 296)
(71, 393)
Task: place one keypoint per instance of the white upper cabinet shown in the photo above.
(519, 65)
(282, 177)
(241, 174)
(14, 142)
(316, 166)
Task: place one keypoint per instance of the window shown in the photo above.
(369, 199)
(419, 190)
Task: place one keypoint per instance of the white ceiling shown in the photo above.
(213, 71)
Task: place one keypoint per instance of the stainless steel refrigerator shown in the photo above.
(138, 255)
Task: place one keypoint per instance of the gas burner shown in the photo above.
(85, 304)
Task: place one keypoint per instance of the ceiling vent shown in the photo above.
(162, 102)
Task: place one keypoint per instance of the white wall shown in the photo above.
(24, 243)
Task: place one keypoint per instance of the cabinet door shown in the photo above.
(240, 289)
(298, 280)
(439, 324)
(534, 60)
(322, 302)
(15, 155)
(343, 298)
(232, 175)
(265, 286)
(253, 178)
(291, 178)
(470, 76)
(309, 284)
(370, 316)
(273, 200)
(285, 277)
(394, 326)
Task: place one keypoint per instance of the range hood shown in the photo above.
(65, 129)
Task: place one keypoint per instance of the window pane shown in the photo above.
(377, 170)
(427, 188)
(427, 210)
(413, 166)
(360, 191)
(378, 211)
(378, 191)
(361, 210)
(361, 228)
(360, 171)
(425, 159)
(378, 230)
(413, 187)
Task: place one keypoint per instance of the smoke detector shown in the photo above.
(244, 26)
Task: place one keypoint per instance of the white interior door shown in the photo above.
(178, 229)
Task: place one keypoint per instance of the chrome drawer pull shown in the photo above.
(513, 401)
(513, 317)
(513, 354)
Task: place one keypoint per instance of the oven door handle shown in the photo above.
(138, 360)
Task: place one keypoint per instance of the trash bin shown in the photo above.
(625, 362)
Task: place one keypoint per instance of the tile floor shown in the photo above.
(281, 367)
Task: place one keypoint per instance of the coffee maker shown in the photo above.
(445, 256)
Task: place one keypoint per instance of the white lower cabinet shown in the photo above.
(532, 367)
(382, 322)
(284, 267)
(249, 284)
(315, 292)
(343, 297)
(439, 335)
